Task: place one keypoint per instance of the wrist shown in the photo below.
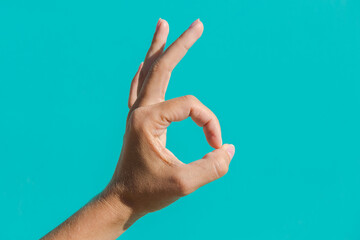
(119, 213)
(104, 217)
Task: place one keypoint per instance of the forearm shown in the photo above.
(103, 218)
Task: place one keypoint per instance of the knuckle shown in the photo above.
(158, 66)
(161, 67)
(181, 185)
(221, 167)
(136, 119)
(184, 45)
(156, 44)
(191, 98)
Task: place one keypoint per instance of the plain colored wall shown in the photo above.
(282, 76)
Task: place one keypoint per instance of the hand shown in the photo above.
(148, 176)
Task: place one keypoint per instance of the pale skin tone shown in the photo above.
(148, 177)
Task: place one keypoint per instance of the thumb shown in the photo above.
(212, 166)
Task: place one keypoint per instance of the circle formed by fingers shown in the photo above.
(179, 109)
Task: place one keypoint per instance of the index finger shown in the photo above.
(156, 82)
(178, 109)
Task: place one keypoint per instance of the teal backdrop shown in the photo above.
(282, 76)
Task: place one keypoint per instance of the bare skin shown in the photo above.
(148, 177)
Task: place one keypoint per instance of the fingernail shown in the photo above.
(231, 150)
(158, 25)
(194, 23)
(141, 64)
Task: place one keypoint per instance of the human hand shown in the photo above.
(148, 176)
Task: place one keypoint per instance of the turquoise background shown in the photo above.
(282, 76)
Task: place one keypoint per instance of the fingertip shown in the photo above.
(197, 26)
(140, 66)
(230, 149)
(215, 142)
(219, 143)
(161, 33)
(158, 25)
(163, 28)
(201, 25)
(165, 23)
(213, 135)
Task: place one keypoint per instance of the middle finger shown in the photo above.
(155, 50)
(155, 84)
